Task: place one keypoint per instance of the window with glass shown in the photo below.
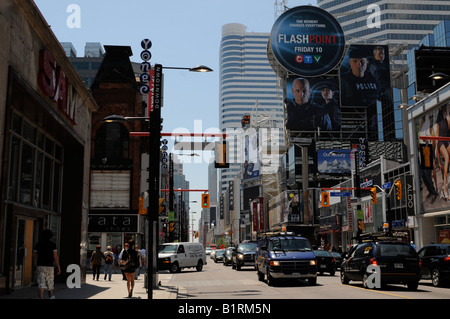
(35, 170)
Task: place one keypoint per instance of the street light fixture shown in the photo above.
(439, 76)
(154, 189)
(198, 68)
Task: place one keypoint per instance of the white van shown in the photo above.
(176, 256)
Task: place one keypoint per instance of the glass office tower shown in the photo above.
(248, 85)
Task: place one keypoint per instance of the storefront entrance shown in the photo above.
(25, 239)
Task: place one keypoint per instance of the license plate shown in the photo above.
(398, 265)
(295, 274)
(323, 266)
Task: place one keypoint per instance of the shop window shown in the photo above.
(35, 169)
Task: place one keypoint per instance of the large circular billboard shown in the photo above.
(307, 41)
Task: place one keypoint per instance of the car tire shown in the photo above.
(344, 279)
(270, 280)
(365, 279)
(174, 267)
(332, 273)
(436, 277)
(413, 285)
(199, 266)
(238, 267)
(312, 281)
(260, 276)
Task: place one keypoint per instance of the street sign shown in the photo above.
(386, 186)
(341, 194)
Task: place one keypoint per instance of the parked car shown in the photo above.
(244, 255)
(208, 250)
(338, 258)
(228, 256)
(398, 261)
(285, 256)
(218, 255)
(435, 263)
(325, 262)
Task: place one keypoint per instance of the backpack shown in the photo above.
(108, 258)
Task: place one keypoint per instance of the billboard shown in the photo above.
(307, 41)
(434, 193)
(313, 103)
(251, 155)
(334, 162)
(364, 74)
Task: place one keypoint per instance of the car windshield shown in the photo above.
(290, 244)
(322, 253)
(220, 252)
(247, 247)
(395, 250)
(168, 249)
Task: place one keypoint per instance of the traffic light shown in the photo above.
(161, 207)
(221, 156)
(398, 189)
(373, 193)
(205, 200)
(142, 210)
(426, 156)
(325, 196)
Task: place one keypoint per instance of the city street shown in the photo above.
(217, 281)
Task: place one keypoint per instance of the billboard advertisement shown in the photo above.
(334, 162)
(312, 104)
(434, 178)
(307, 41)
(364, 74)
(251, 155)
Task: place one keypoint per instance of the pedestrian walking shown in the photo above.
(109, 262)
(138, 269)
(96, 262)
(125, 247)
(45, 258)
(130, 261)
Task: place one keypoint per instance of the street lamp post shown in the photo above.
(154, 168)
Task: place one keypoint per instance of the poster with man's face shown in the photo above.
(364, 74)
(313, 104)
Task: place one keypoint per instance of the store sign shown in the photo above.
(52, 81)
(113, 223)
(307, 41)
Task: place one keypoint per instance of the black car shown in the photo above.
(228, 256)
(325, 262)
(435, 263)
(244, 255)
(338, 258)
(398, 262)
(218, 256)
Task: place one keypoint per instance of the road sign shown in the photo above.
(341, 194)
(386, 186)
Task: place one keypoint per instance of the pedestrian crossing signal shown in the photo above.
(325, 196)
(205, 200)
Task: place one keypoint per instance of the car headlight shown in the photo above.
(240, 256)
(312, 262)
(275, 263)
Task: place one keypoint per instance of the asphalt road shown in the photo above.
(220, 282)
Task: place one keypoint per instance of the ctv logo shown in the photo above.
(307, 59)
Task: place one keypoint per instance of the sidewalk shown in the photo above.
(103, 289)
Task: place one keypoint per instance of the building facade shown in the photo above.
(45, 116)
(248, 85)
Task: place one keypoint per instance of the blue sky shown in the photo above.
(184, 33)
